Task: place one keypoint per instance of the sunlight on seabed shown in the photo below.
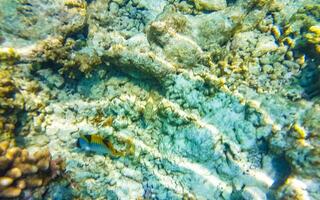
(260, 177)
(300, 187)
(181, 162)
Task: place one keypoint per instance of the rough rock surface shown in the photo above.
(220, 98)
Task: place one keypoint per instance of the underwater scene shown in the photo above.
(160, 99)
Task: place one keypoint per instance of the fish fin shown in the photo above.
(113, 150)
(96, 139)
(85, 137)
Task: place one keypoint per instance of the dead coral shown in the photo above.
(82, 62)
(68, 61)
(53, 49)
(312, 120)
(210, 5)
(77, 9)
(20, 171)
(131, 60)
(34, 20)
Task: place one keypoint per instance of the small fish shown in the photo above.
(94, 143)
(97, 144)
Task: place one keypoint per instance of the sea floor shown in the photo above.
(206, 99)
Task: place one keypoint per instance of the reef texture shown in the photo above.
(9, 105)
(208, 99)
(21, 172)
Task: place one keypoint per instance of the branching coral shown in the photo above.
(20, 171)
(146, 62)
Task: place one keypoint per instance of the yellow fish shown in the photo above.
(97, 144)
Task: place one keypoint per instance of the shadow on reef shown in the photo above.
(81, 85)
(283, 171)
(231, 2)
(60, 190)
(310, 80)
(310, 74)
(80, 37)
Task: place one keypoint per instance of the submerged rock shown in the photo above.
(217, 99)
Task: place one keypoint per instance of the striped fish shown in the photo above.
(94, 143)
(99, 145)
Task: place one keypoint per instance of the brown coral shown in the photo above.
(8, 55)
(10, 103)
(21, 171)
(61, 52)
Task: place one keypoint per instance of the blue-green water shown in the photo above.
(166, 99)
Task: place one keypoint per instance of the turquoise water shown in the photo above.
(165, 99)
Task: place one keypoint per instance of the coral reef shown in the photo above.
(69, 62)
(210, 5)
(22, 101)
(314, 37)
(312, 86)
(21, 171)
(26, 22)
(11, 103)
(8, 56)
(201, 99)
